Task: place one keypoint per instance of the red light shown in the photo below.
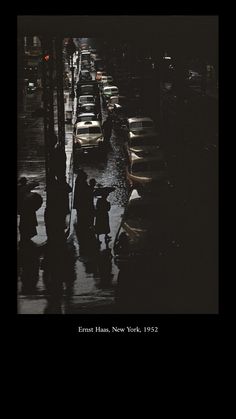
(46, 57)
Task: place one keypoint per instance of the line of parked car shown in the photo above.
(148, 226)
(88, 133)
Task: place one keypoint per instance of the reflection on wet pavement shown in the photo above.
(79, 277)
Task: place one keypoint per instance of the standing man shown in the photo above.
(107, 130)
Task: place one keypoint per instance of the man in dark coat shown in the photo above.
(102, 225)
(107, 129)
(82, 200)
(28, 204)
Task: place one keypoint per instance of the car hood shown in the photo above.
(143, 131)
(148, 238)
(144, 177)
(89, 138)
(142, 151)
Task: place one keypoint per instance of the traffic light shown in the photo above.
(46, 57)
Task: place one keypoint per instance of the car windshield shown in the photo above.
(86, 118)
(147, 166)
(141, 124)
(85, 99)
(88, 130)
(111, 91)
(143, 141)
(86, 89)
(88, 107)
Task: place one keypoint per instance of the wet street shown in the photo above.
(174, 269)
(91, 276)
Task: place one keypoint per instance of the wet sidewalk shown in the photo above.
(33, 167)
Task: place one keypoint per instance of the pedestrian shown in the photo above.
(82, 200)
(24, 187)
(57, 159)
(92, 184)
(57, 208)
(107, 129)
(28, 203)
(102, 225)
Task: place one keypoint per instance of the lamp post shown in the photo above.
(71, 49)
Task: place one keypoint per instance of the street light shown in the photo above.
(71, 49)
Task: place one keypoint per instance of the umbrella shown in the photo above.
(103, 190)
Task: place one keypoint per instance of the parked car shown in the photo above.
(85, 55)
(145, 147)
(85, 65)
(86, 99)
(85, 75)
(105, 80)
(109, 91)
(143, 170)
(149, 229)
(89, 88)
(87, 135)
(140, 126)
(88, 108)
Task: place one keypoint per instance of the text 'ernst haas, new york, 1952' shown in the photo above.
(114, 329)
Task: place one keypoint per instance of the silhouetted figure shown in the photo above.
(82, 200)
(29, 266)
(104, 263)
(57, 209)
(57, 160)
(91, 208)
(123, 247)
(107, 130)
(24, 187)
(58, 274)
(28, 203)
(102, 225)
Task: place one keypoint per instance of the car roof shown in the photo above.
(139, 198)
(86, 96)
(146, 159)
(88, 104)
(86, 114)
(137, 119)
(110, 87)
(85, 124)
